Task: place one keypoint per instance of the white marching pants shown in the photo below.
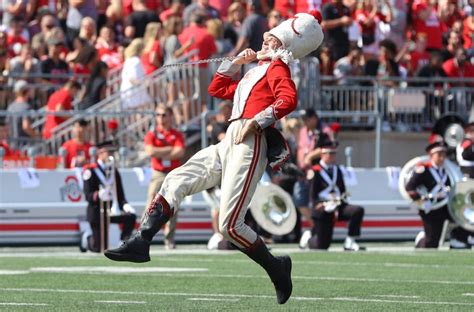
(237, 168)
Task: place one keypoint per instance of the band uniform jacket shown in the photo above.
(423, 176)
(91, 190)
(320, 187)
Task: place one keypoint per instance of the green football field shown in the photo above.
(387, 277)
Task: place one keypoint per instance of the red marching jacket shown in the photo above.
(266, 92)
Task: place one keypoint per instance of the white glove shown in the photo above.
(105, 194)
(427, 206)
(330, 206)
(442, 194)
(129, 209)
(115, 210)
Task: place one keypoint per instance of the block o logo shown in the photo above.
(72, 190)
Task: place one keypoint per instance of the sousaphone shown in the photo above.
(273, 209)
(461, 194)
(451, 129)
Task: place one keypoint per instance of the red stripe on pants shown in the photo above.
(233, 218)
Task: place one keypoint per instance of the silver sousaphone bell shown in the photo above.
(451, 129)
(461, 204)
(461, 193)
(273, 209)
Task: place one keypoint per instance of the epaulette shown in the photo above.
(87, 171)
(466, 143)
(421, 166)
(89, 166)
(310, 173)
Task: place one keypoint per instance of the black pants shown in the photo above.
(324, 224)
(128, 221)
(433, 226)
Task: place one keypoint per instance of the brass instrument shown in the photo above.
(460, 199)
(273, 209)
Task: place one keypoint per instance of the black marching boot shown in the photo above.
(278, 268)
(137, 248)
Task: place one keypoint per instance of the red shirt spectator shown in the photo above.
(304, 6)
(77, 148)
(417, 56)
(176, 10)
(107, 49)
(14, 44)
(3, 138)
(110, 56)
(74, 149)
(202, 40)
(418, 59)
(147, 57)
(468, 32)
(79, 69)
(60, 100)
(449, 13)
(459, 66)
(426, 20)
(152, 5)
(169, 13)
(221, 6)
(285, 7)
(368, 17)
(164, 136)
(453, 70)
(8, 151)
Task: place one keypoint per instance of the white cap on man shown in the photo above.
(301, 34)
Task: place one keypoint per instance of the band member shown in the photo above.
(165, 146)
(428, 185)
(328, 193)
(465, 151)
(103, 187)
(265, 94)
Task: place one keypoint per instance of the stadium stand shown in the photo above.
(381, 67)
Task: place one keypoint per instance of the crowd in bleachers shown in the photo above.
(48, 42)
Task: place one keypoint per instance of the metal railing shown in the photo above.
(410, 104)
(133, 122)
(393, 104)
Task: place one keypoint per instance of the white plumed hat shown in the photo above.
(300, 34)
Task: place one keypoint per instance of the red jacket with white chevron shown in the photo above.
(266, 92)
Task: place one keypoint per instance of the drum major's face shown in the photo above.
(438, 158)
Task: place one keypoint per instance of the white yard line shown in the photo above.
(113, 269)
(134, 293)
(350, 299)
(201, 250)
(226, 296)
(22, 304)
(212, 299)
(326, 278)
(65, 254)
(168, 256)
(120, 302)
(13, 272)
(468, 294)
(182, 273)
(396, 296)
(322, 262)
